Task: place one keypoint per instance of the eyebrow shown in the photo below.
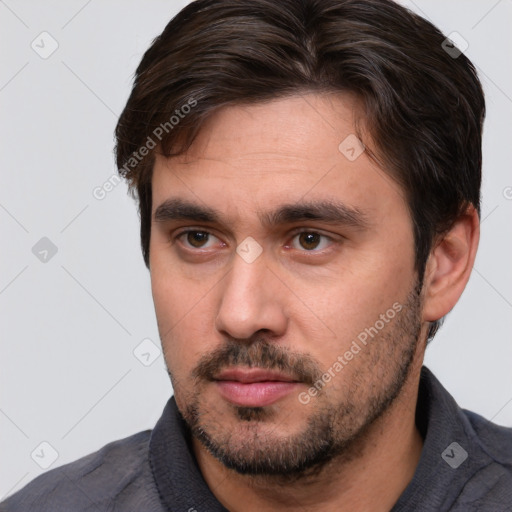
(328, 211)
(180, 209)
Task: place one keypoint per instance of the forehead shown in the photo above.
(286, 150)
(307, 126)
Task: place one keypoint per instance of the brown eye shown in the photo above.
(197, 239)
(309, 241)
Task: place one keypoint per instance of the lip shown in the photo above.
(254, 387)
(252, 375)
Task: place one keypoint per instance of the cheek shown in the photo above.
(184, 316)
(174, 293)
(354, 302)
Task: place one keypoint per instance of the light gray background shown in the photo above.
(69, 326)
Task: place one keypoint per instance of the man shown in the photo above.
(308, 178)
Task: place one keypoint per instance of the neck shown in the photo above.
(371, 475)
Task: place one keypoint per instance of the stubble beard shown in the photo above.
(336, 428)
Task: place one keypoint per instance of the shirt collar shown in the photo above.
(451, 452)
(177, 476)
(439, 419)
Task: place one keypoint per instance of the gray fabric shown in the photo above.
(116, 478)
(482, 482)
(155, 471)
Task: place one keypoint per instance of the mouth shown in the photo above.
(254, 387)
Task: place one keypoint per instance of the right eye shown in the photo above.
(196, 239)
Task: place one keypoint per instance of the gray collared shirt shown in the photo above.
(465, 466)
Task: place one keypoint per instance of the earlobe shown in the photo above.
(449, 266)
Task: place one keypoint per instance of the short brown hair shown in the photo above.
(423, 107)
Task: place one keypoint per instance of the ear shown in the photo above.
(449, 266)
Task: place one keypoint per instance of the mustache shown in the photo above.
(258, 354)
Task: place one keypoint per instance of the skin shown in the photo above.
(307, 302)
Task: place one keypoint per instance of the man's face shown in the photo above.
(283, 280)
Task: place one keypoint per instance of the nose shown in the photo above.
(252, 300)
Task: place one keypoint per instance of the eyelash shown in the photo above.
(293, 235)
(183, 233)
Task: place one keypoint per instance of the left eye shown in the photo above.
(197, 239)
(310, 240)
